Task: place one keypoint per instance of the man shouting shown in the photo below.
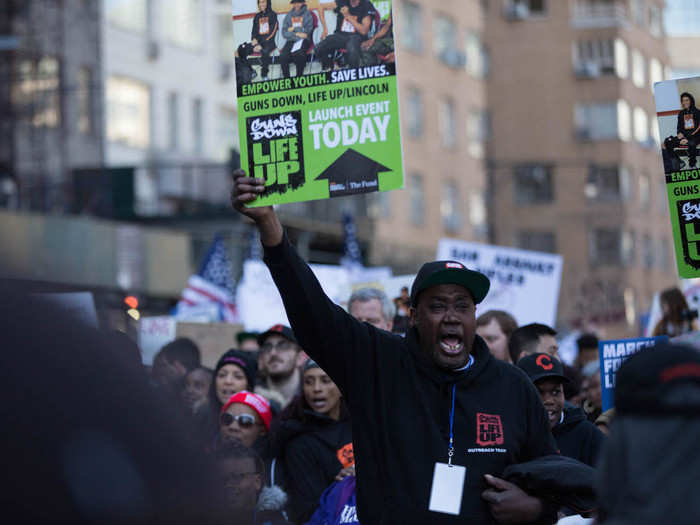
(435, 418)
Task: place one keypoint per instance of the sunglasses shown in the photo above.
(243, 420)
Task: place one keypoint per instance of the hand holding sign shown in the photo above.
(246, 190)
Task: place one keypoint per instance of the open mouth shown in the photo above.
(451, 344)
(553, 415)
(318, 403)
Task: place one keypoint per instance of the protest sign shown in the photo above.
(523, 283)
(612, 354)
(679, 129)
(213, 339)
(260, 304)
(154, 333)
(318, 118)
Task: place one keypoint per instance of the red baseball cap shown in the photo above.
(254, 401)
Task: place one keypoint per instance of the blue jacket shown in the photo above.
(337, 504)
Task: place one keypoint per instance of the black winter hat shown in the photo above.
(243, 361)
(278, 329)
(450, 272)
(542, 366)
(645, 378)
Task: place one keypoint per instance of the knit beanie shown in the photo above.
(243, 361)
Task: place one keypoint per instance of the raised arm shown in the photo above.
(332, 337)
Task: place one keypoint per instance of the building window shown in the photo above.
(644, 190)
(227, 132)
(412, 27)
(183, 23)
(128, 112)
(36, 93)
(416, 114)
(593, 58)
(656, 72)
(641, 126)
(225, 41)
(516, 9)
(664, 254)
(448, 123)
(537, 241)
(380, 205)
(655, 21)
(127, 14)
(624, 121)
(85, 100)
(478, 132)
(533, 184)
(197, 126)
(604, 183)
(477, 213)
(622, 67)
(638, 68)
(647, 252)
(610, 246)
(445, 42)
(173, 121)
(449, 207)
(602, 121)
(638, 11)
(477, 59)
(417, 200)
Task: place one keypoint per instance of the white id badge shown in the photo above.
(447, 489)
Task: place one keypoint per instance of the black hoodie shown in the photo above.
(577, 437)
(312, 461)
(267, 22)
(399, 403)
(689, 120)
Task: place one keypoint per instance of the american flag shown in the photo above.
(213, 284)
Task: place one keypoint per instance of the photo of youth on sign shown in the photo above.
(317, 96)
(679, 128)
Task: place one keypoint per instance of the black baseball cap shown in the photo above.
(542, 366)
(278, 329)
(450, 272)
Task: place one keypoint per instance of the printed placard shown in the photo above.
(679, 129)
(612, 355)
(331, 128)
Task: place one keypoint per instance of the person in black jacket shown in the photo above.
(688, 132)
(400, 391)
(576, 437)
(354, 20)
(323, 448)
(262, 37)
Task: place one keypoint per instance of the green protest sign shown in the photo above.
(318, 118)
(679, 126)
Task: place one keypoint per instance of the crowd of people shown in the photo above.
(361, 37)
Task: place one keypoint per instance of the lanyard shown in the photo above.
(451, 449)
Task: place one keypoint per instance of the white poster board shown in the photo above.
(523, 283)
(154, 333)
(259, 303)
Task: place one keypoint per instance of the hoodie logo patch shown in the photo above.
(346, 456)
(689, 121)
(489, 430)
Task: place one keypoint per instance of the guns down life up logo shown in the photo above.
(689, 219)
(276, 151)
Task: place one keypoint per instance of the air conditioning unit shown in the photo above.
(516, 11)
(587, 69)
(153, 50)
(225, 71)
